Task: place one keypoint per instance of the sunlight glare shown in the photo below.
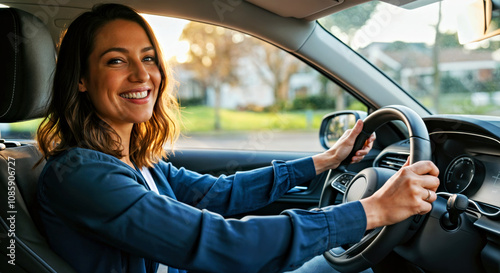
(381, 27)
(168, 32)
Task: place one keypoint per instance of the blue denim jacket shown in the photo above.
(100, 216)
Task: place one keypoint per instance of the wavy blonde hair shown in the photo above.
(71, 119)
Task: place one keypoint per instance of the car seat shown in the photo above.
(28, 63)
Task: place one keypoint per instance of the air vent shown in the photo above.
(392, 161)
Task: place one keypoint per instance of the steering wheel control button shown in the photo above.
(340, 182)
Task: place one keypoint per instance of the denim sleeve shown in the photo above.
(325, 228)
(241, 192)
(105, 202)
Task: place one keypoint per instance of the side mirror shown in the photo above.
(478, 20)
(335, 124)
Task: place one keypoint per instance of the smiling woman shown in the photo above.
(123, 78)
(117, 70)
(107, 188)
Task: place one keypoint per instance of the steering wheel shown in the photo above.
(379, 242)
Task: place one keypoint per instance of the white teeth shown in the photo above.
(135, 95)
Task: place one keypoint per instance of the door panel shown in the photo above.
(218, 162)
(230, 161)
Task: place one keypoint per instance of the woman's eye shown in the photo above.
(115, 61)
(149, 59)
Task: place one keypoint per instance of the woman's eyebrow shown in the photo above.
(124, 50)
(147, 49)
(118, 49)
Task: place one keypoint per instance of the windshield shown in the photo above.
(419, 49)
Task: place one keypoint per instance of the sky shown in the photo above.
(417, 25)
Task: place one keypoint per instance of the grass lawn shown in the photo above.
(201, 119)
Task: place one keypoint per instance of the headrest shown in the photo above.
(27, 66)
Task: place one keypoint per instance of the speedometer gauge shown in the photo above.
(459, 174)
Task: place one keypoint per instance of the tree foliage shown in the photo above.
(213, 57)
(348, 21)
(275, 67)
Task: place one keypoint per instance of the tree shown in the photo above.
(448, 40)
(276, 67)
(345, 24)
(213, 56)
(435, 63)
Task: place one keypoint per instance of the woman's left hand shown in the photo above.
(332, 158)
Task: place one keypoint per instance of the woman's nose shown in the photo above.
(139, 73)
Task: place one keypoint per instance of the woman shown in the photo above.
(108, 203)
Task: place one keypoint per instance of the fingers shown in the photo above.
(421, 182)
(357, 127)
(427, 171)
(409, 192)
(360, 154)
(367, 147)
(370, 140)
(425, 208)
(428, 175)
(429, 195)
(425, 167)
(352, 133)
(425, 205)
(407, 163)
(428, 182)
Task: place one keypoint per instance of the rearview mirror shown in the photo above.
(478, 20)
(335, 124)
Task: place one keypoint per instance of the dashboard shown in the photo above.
(466, 149)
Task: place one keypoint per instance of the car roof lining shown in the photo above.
(285, 32)
(308, 10)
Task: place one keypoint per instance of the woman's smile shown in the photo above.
(138, 96)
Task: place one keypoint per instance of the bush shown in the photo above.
(313, 102)
(191, 102)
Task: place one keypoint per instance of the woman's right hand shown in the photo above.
(408, 192)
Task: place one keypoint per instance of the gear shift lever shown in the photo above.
(455, 206)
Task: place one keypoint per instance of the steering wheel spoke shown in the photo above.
(359, 246)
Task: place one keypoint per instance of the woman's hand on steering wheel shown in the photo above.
(332, 158)
(408, 192)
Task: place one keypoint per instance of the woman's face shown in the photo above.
(122, 78)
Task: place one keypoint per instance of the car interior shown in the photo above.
(458, 235)
(24, 95)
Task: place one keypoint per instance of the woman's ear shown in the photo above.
(81, 86)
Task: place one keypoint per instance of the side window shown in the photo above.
(22, 131)
(238, 92)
